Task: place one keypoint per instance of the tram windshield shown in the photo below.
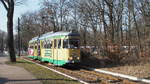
(71, 43)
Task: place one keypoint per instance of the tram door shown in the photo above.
(35, 50)
(39, 49)
(55, 55)
(53, 51)
(59, 51)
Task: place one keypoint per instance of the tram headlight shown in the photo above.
(70, 58)
(78, 58)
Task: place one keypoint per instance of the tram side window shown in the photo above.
(49, 45)
(35, 46)
(65, 43)
(59, 43)
(45, 44)
(55, 43)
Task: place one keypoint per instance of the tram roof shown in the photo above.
(52, 34)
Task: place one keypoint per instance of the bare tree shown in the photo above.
(110, 25)
(9, 6)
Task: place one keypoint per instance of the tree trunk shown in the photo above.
(104, 24)
(137, 30)
(10, 38)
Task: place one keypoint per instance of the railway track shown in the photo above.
(86, 75)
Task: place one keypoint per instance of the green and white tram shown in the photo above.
(58, 48)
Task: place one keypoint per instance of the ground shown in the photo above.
(23, 72)
(141, 70)
(15, 75)
(44, 75)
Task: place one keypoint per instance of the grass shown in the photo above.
(44, 75)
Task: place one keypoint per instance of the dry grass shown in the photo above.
(141, 70)
(134, 67)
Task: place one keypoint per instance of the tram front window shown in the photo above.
(71, 43)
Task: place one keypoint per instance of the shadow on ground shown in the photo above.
(3, 80)
(147, 78)
(72, 67)
(42, 79)
(92, 63)
(95, 62)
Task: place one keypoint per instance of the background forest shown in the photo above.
(116, 30)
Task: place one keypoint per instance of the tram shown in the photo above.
(58, 48)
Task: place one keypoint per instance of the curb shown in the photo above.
(120, 75)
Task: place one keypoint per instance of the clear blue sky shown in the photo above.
(28, 6)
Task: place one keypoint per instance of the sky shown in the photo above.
(27, 6)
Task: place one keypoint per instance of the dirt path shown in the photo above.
(15, 75)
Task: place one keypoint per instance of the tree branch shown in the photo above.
(4, 4)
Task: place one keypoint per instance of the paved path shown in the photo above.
(15, 75)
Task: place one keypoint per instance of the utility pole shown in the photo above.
(19, 36)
